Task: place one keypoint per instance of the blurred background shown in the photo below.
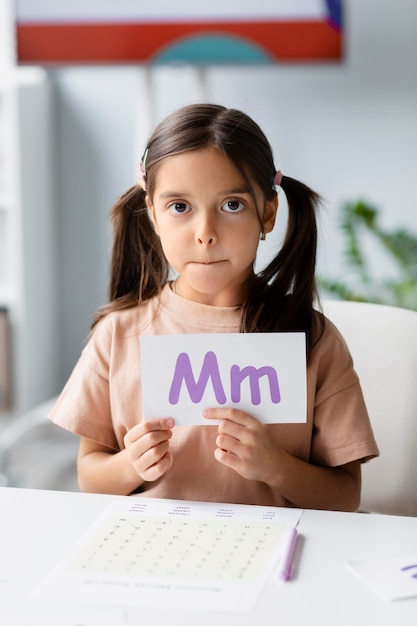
(72, 130)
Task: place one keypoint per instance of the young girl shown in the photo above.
(207, 195)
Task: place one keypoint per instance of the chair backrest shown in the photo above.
(37, 454)
(383, 343)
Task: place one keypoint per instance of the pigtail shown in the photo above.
(285, 290)
(138, 266)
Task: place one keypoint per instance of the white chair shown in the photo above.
(37, 454)
(383, 342)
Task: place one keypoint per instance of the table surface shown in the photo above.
(38, 527)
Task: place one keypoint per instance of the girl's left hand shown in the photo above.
(244, 445)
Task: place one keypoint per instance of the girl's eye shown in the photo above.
(178, 208)
(233, 206)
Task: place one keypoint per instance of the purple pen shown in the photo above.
(285, 564)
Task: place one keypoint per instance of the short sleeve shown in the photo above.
(84, 406)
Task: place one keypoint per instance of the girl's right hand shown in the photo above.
(147, 448)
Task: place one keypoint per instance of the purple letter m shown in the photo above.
(237, 375)
(183, 372)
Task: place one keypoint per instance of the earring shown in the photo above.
(262, 236)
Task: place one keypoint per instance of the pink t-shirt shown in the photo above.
(102, 401)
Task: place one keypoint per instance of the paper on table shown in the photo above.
(392, 579)
(175, 554)
(263, 374)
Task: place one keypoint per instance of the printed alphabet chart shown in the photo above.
(175, 554)
(263, 374)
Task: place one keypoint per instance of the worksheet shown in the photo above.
(175, 554)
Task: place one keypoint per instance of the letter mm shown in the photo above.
(210, 370)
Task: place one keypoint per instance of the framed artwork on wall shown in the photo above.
(73, 32)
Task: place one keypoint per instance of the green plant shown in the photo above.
(361, 231)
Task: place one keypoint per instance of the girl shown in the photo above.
(207, 194)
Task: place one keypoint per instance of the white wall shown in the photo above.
(95, 144)
(349, 130)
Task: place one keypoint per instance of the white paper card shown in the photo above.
(173, 554)
(263, 374)
(392, 579)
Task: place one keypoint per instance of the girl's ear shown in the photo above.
(270, 213)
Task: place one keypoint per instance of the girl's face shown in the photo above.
(208, 224)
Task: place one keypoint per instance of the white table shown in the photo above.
(38, 527)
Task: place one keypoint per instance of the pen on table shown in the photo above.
(285, 564)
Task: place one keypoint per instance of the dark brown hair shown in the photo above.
(281, 296)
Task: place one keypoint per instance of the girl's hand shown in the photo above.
(243, 444)
(147, 448)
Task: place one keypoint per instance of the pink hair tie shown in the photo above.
(278, 178)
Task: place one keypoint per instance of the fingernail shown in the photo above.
(170, 423)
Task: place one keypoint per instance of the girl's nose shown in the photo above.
(205, 240)
(206, 233)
